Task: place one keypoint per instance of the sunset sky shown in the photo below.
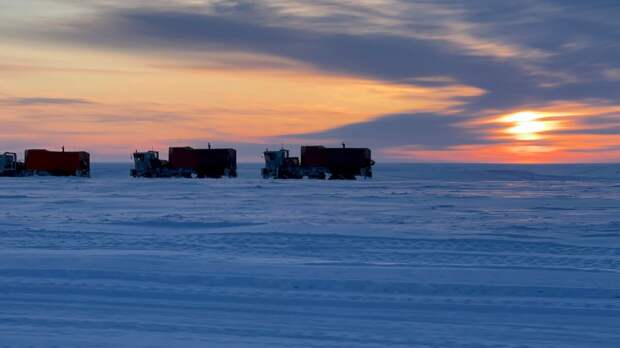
(465, 81)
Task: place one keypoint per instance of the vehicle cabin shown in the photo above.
(8, 164)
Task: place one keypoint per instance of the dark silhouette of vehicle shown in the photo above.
(279, 165)
(319, 162)
(186, 162)
(9, 165)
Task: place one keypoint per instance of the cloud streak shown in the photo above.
(423, 130)
(35, 101)
(548, 63)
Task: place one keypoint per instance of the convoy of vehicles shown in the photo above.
(315, 162)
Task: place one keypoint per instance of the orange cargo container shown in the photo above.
(57, 163)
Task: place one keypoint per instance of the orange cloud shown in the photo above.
(141, 102)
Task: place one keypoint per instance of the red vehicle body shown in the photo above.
(213, 163)
(348, 160)
(314, 156)
(182, 157)
(340, 162)
(57, 163)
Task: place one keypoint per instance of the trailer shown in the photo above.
(319, 162)
(56, 163)
(347, 163)
(186, 162)
(9, 165)
(209, 163)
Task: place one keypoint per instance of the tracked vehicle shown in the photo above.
(148, 165)
(279, 165)
(9, 165)
(319, 162)
(186, 162)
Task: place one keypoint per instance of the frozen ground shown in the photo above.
(420, 256)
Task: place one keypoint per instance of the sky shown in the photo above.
(528, 81)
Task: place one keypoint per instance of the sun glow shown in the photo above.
(527, 125)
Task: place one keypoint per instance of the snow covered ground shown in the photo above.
(420, 256)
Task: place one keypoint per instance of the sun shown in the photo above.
(527, 125)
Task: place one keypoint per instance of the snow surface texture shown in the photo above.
(420, 256)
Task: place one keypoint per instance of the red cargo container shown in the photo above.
(182, 157)
(314, 156)
(204, 162)
(340, 162)
(348, 158)
(217, 162)
(57, 163)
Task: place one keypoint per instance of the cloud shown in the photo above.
(145, 117)
(520, 53)
(612, 74)
(34, 101)
(381, 57)
(428, 131)
(597, 131)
